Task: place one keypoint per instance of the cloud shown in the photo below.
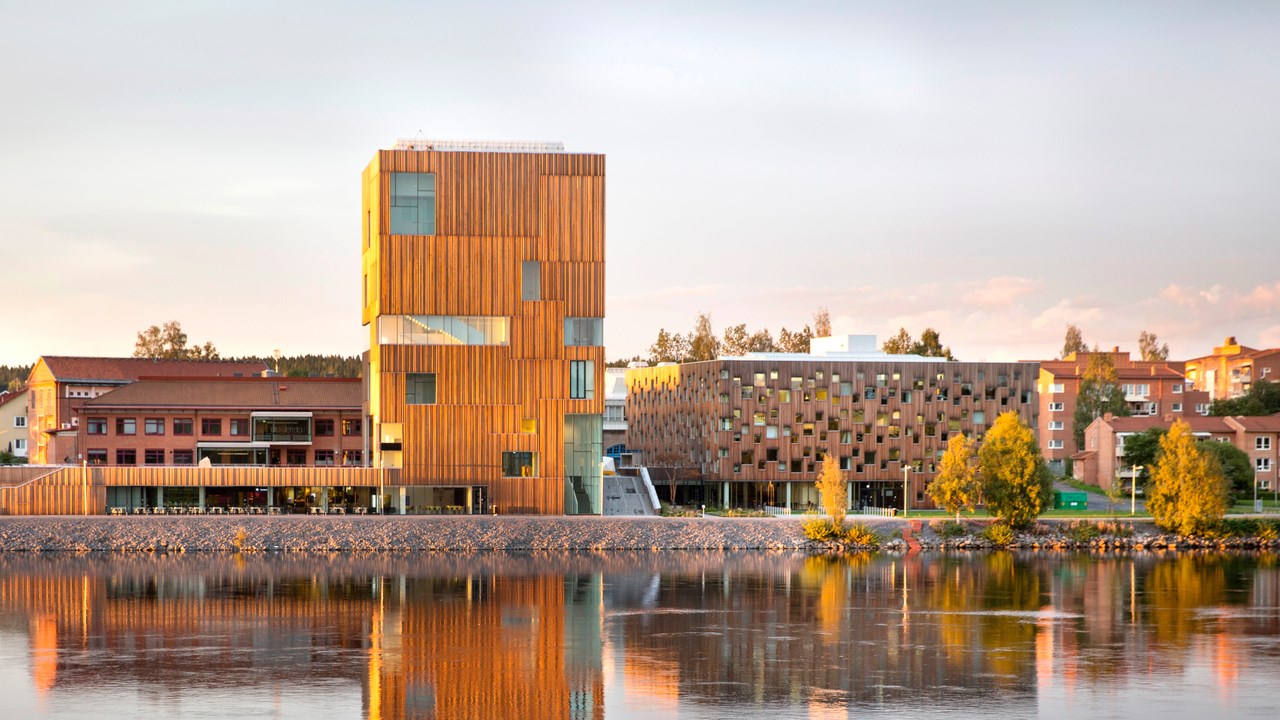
(1001, 291)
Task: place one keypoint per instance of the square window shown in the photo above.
(210, 426)
(126, 457)
(413, 203)
(154, 426)
(324, 458)
(420, 388)
(238, 426)
(126, 426)
(153, 457)
(351, 427)
(324, 427)
(96, 426)
(183, 426)
(519, 464)
(96, 457)
(183, 457)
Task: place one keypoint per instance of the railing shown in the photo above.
(774, 511)
(879, 512)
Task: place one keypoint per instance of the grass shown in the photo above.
(1083, 486)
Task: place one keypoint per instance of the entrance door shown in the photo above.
(478, 500)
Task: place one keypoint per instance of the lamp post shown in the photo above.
(905, 469)
(1133, 491)
(1256, 507)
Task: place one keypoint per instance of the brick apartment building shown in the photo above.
(1232, 369)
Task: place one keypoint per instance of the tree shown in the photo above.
(736, 341)
(930, 345)
(794, 342)
(956, 486)
(822, 322)
(1263, 398)
(1015, 481)
(1099, 394)
(669, 347)
(1187, 493)
(833, 491)
(1150, 347)
(1141, 450)
(900, 344)
(703, 344)
(1073, 342)
(1236, 466)
(762, 341)
(170, 343)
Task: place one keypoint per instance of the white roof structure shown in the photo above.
(850, 348)
(511, 146)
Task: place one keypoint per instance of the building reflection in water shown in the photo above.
(568, 636)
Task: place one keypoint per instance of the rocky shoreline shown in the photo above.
(486, 533)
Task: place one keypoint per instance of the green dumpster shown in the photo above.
(1070, 501)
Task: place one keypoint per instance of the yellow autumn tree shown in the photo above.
(833, 490)
(1187, 493)
(956, 486)
(1015, 482)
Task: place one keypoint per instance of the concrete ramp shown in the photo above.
(626, 495)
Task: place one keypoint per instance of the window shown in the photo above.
(413, 204)
(519, 464)
(210, 426)
(1177, 407)
(153, 426)
(444, 330)
(184, 457)
(420, 389)
(530, 425)
(296, 456)
(530, 280)
(352, 458)
(1262, 465)
(153, 457)
(1177, 389)
(1055, 444)
(1202, 408)
(583, 332)
(19, 444)
(126, 426)
(1262, 443)
(324, 427)
(324, 457)
(238, 426)
(183, 426)
(351, 427)
(1056, 388)
(19, 421)
(96, 426)
(96, 457)
(1055, 407)
(1055, 424)
(126, 457)
(582, 379)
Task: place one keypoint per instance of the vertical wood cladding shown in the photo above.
(783, 416)
(494, 211)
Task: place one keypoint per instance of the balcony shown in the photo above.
(282, 428)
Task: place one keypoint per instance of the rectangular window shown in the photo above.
(1055, 407)
(1262, 443)
(153, 457)
(420, 389)
(126, 457)
(519, 464)
(1202, 408)
(239, 426)
(979, 417)
(96, 457)
(583, 332)
(1177, 389)
(1177, 407)
(1056, 388)
(444, 330)
(184, 457)
(413, 204)
(324, 458)
(19, 421)
(296, 456)
(1055, 444)
(1262, 464)
(324, 427)
(1055, 424)
(351, 427)
(352, 458)
(96, 426)
(210, 426)
(582, 379)
(530, 280)
(126, 426)
(153, 426)
(183, 426)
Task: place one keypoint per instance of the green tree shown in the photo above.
(1073, 342)
(794, 342)
(762, 341)
(833, 491)
(1263, 398)
(1015, 481)
(736, 340)
(703, 344)
(822, 322)
(1099, 394)
(1150, 347)
(1141, 450)
(900, 344)
(930, 345)
(1236, 466)
(1187, 493)
(169, 342)
(669, 347)
(956, 486)
(14, 377)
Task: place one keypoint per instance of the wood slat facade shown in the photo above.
(493, 212)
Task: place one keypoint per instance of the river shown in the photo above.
(640, 635)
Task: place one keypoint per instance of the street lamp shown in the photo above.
(1133, 491)
(1256, 508)
(905, 469)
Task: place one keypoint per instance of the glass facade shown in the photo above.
(583, 332)
(281, 429)
(582, 379)
(420, 389)
(530, 280)
(519, 464)
(583, 453)
(413, 204)
(444, 330)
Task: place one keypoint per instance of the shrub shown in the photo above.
(1115, 529)
(949, 528)
(743, 512)
(1083, 532)
(998, 534)
(820, 529)
(860, 534)
(237, 540)
(1233, 527)
(1269, 531)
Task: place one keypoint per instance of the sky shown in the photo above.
(995, 170)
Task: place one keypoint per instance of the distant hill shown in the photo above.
(314, 365)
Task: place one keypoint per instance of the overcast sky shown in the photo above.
(995, 170)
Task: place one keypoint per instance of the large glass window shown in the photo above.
(519, 464)
(530, 280)
(281, 429)
(582, 379)
(96, 426)
(420, 389)
(183, 426)
(583, 332)
(126, 426)
(413, 204)
(443, 330)
(154, 426)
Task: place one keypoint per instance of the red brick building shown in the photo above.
(1232, 369)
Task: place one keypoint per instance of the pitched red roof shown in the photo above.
(127, 369)
(1198, 423)
(242, 393)
(1259, 423)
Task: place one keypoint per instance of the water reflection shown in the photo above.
(639, 635)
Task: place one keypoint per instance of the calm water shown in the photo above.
(696, 635)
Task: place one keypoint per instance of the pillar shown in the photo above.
(724, 502)
(788, 495)
(324, 500)
(403, 492)
(848, 503)
(159, 496)
(470, 490)
(271, 497)
(200, 495)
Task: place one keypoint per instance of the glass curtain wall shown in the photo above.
(583, 453)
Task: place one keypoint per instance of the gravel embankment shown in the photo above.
(363, 534)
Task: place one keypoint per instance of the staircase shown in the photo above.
(626, 495)
(580, 494)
